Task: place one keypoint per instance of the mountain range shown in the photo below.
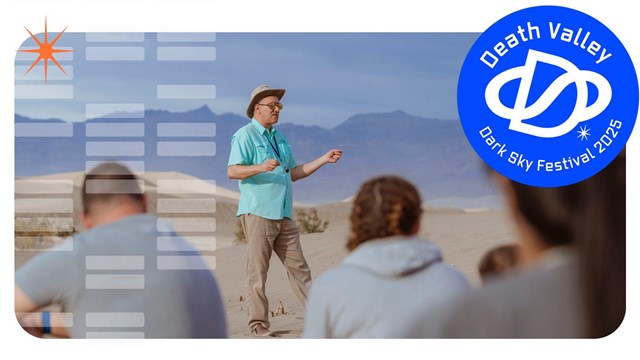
(434, 154)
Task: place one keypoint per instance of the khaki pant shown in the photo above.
(263, 237)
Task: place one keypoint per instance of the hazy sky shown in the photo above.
(328, 76)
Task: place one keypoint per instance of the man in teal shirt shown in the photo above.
(261, 159)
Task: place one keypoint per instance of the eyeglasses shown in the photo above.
(273, 105)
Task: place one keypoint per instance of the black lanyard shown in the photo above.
(275, 148)
(276, 151)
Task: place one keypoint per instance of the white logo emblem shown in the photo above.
(520, 112)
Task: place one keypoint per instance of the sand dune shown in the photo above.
(463, 237)
(192, 198)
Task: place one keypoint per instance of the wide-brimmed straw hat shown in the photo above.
(260, 93)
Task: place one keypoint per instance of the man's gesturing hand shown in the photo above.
(333, 156)
(269, 165)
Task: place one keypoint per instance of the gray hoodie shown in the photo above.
(380, 290)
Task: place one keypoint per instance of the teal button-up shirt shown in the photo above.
(269, 194)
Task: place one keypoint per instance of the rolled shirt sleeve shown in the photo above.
(241, 150)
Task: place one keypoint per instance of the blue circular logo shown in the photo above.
(548, 96)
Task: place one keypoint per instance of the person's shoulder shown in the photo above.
(492, 310)
(330, 277)
(451, 273)
(63, 250)
(525, 281)
(61, 256)
(243, 130)
(500, 291)
(340, 278)
(129, 231)
(331, 288)
(135, 222)
(244, 135)
(326, 278)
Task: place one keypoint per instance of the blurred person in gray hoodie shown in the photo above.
(391, 277)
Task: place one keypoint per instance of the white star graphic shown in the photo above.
(583, 133)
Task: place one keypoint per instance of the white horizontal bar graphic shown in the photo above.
(44, 91)
(44, 129)
(31, 57)
(43, 224)
(115, 186)
(113, 262)
(31, 243)
(186, 148)
(114, 110)
(194, 91)
(114, 319)
(44, 186)
(186, 129)
(186, 262)
(114, 129)
(43, 205)
(181, 187)
(188, 224)
(114, 37)
(114, 53)
(114, 148)
(186, 37)
(186, 53)
(137, 167)
(194, 243)
(114, 282)
(37, 73)
(186, 206)
(114, 335)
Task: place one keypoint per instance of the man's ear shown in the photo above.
(143, 203)
(86, 221)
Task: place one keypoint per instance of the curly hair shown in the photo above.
(384, 206)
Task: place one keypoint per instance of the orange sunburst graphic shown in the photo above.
(46, 51)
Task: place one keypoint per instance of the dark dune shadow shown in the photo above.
(282, 332)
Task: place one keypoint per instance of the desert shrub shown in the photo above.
(309, 221)
(39, 233)
(33, 242)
